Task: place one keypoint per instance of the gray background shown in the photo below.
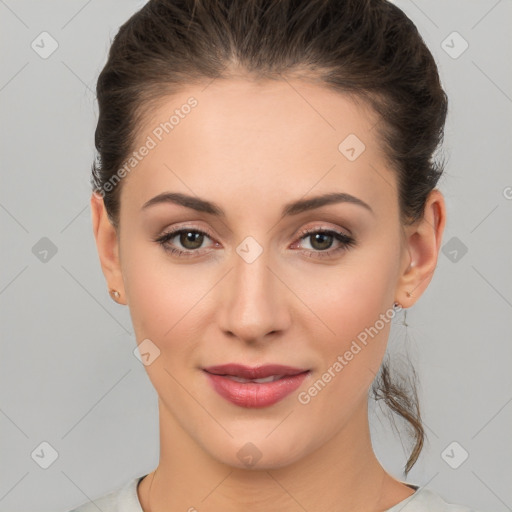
(68, 373)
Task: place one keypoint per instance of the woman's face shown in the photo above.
(255, 290)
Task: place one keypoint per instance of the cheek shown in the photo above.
(346, 300)
(353, 315)
(167, 306)
(159, 293)
(162, 303)
(351, 357)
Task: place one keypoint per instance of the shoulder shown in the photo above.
(123, 499)
(425, 500)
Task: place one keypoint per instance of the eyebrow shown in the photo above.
(293, 208)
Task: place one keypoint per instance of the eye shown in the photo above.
(322, 239)
(191, 239)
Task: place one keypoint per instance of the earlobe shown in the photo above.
(107, 244)
(423, 242)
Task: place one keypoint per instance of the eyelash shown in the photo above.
(346, 241)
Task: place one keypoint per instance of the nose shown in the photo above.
(253, 301)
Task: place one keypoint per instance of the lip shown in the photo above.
(253, 372)
(253, 394)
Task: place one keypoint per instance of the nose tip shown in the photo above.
(253, 307)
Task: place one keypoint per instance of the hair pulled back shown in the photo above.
(368, 49)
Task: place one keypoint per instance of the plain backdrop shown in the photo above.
(72, 394)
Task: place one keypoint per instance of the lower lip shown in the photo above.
(253, 394)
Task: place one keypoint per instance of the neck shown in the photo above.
(341, 475)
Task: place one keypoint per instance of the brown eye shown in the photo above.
(189, 239)
(321, 241)
(194, 238)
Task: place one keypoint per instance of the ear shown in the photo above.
(107, 244)
(422, 245)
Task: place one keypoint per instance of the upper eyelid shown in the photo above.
(207, 231)
(300, 234)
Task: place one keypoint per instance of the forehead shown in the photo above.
(232, 113)
(241, 135)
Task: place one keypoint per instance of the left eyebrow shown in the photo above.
(293, 208)
(312, 203)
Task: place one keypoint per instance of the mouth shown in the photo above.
(264, 373)
(260, 386)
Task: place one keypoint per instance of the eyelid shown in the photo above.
(346, 241)
(314, 228)
(186, 225)
(299, 234)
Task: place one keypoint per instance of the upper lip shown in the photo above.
(256, 372)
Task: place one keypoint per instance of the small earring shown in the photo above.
(115, 294)
(404, 322)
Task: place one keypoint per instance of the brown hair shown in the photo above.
(368, 49)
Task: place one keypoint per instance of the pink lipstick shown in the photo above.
(259, 386)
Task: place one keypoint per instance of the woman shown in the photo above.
(264, 202)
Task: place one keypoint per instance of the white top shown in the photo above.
(126, 499)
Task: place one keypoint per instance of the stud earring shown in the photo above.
(397, 304)
(115, 295)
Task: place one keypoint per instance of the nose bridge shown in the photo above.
(254, 305)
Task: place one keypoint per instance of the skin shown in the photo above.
(252, 147)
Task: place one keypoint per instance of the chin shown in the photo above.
(260, 452)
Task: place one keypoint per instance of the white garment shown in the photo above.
(126, 499)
